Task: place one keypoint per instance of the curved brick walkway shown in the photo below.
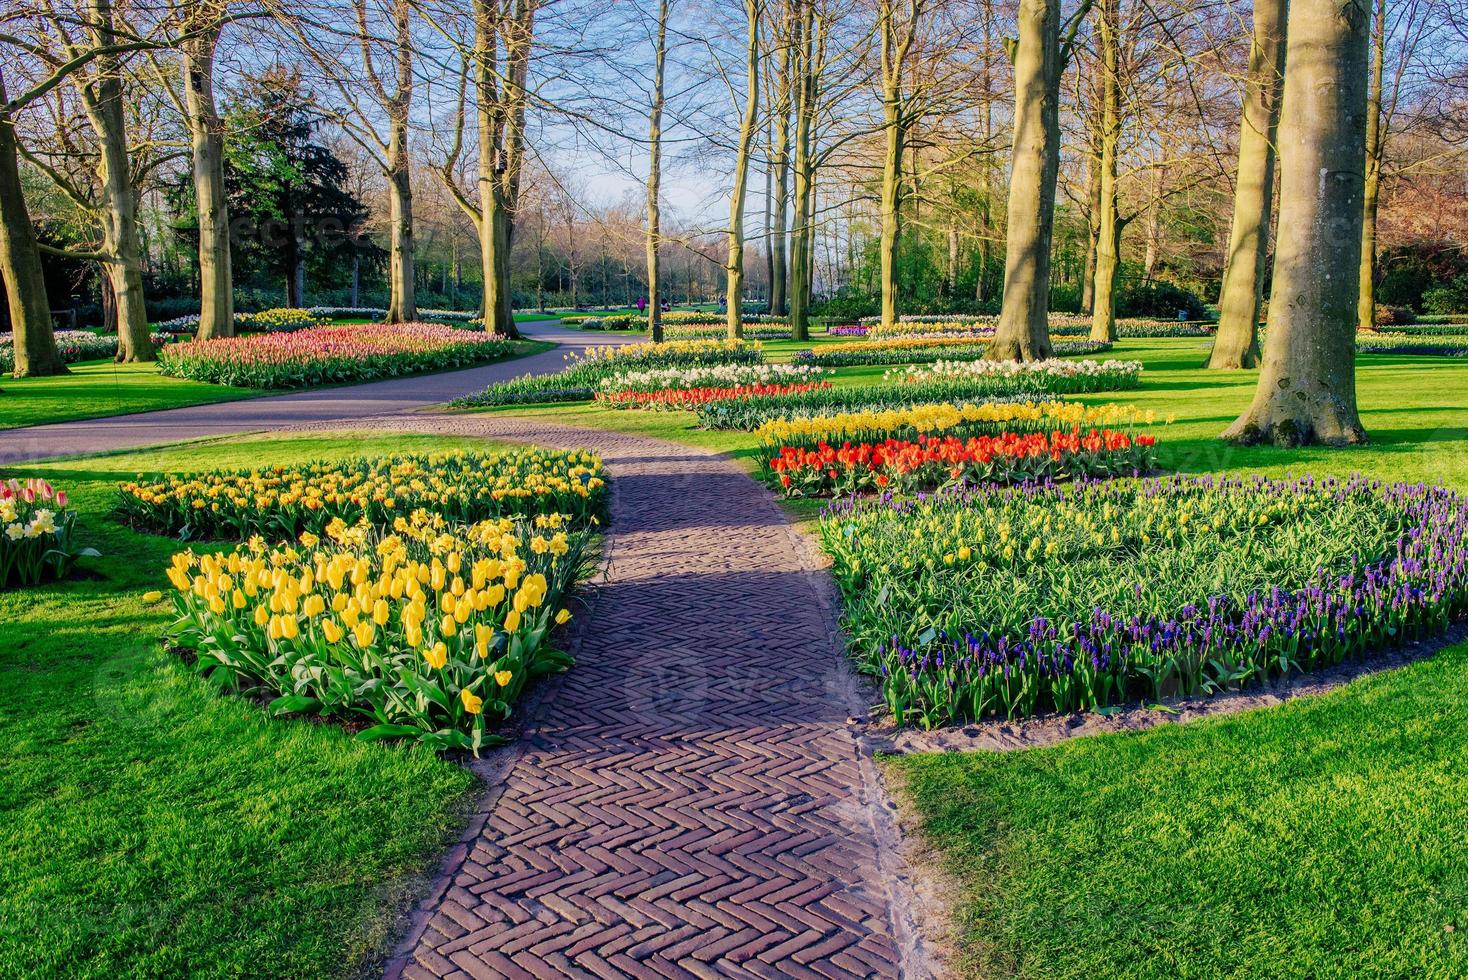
(689, 800)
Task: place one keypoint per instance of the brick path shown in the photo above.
(689, 800)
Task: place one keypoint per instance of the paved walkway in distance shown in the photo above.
(295, 408)
(689, 800)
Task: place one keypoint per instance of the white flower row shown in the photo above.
(715, 376)
(1054, 367)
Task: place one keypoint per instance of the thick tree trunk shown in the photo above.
(1371, 192)
(1307, 387)
(1108, 219)
(1237, 343)
(1023, 332)
(951, 273)
(20, 266)
(206, 136)
(654, 180)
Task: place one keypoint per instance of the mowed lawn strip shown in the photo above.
(1322, 838)
(154, 827)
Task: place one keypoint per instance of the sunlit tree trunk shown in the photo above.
(1108, 218)
(654, 179)
(798, 286)
(734, 267)
(780, 262)
(1237, 343)
(402, 306)
(1307, 385)
(1375, 146)
(120, 236)
(206, 137)
(20, 266)
(1023, 332)
(895, 44)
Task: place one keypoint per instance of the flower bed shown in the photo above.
(682, 399)
(719, 375)
(1421, 329)
(1433, 345)
(913, 350)
(932, 462)
(579, 380)
(1040, 598)
(280, 502)
(279, 320)
(946, 418)
(429, 633)
(73, 346)
(967, 328)
(36, 533)
(748, 414)
(330, 355)
(848, 330)
(1053, 376)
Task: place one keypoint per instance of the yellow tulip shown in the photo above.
(562, 617)
(331, 631)
(364, 633)
(512, 620)
(437, 656)
(380, 612)
(152, 596)
(472, 703)
(503, 678)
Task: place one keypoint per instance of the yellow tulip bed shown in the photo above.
(280, 502)
(947, 418)
(429, 630)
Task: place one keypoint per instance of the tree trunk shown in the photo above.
(1108, 220)
(206, 136)
(120, 237)
(654, 180)
(20, 266)
(1375, 151)
(1093, 193)
(798, 284)
(894, 130)
(1237, 343)
(1307, 387)
(402, 306)
(1023, 332)
(780, 263)
(356, 280)
(734, 268)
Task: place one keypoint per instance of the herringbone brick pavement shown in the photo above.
(689, 800)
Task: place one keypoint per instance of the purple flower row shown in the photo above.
(1417, 590)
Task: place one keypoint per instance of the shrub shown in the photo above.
(1042, 598)
(281, 502)
(430, 632)
(330, 355)
(37, 533)
(1158, 299)
(1389, 316)
(1451, 297)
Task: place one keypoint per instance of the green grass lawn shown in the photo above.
(95, 389)
(1323, 838)
(100, 389)
(152, 827)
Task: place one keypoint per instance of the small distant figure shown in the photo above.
(665, 307)
(641, 304)
(723, 306)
